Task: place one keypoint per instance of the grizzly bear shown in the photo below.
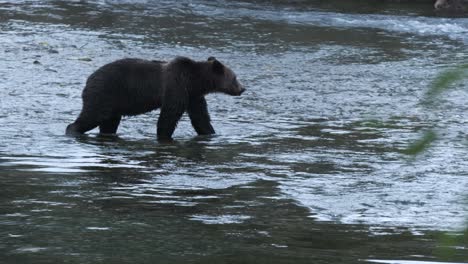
(130, 87)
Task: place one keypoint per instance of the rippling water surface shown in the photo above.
(306, 166)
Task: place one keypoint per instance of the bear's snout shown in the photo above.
(241, 90)
(237, 91)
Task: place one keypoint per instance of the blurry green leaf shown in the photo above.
(450, 244)
(444, 80)
(446, 246)
(422, 144)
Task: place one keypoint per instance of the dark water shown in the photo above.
(306, 166)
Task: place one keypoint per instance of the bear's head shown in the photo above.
(224, 79)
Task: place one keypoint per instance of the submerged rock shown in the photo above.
(452, 6)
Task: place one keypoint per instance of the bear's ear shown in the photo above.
(211, 58)
(218, 67)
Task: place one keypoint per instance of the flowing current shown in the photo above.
(306, 166)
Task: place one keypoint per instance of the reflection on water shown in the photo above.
(306, 165)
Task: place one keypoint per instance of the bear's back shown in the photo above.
(132, 86)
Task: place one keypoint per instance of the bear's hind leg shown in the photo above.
(110, 125)
(168, 118)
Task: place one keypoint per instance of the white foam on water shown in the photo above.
(452, 28)
(220, 219)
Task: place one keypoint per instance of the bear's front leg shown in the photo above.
(168, 118)
(199, 116)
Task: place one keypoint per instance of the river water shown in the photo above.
(306, 166)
